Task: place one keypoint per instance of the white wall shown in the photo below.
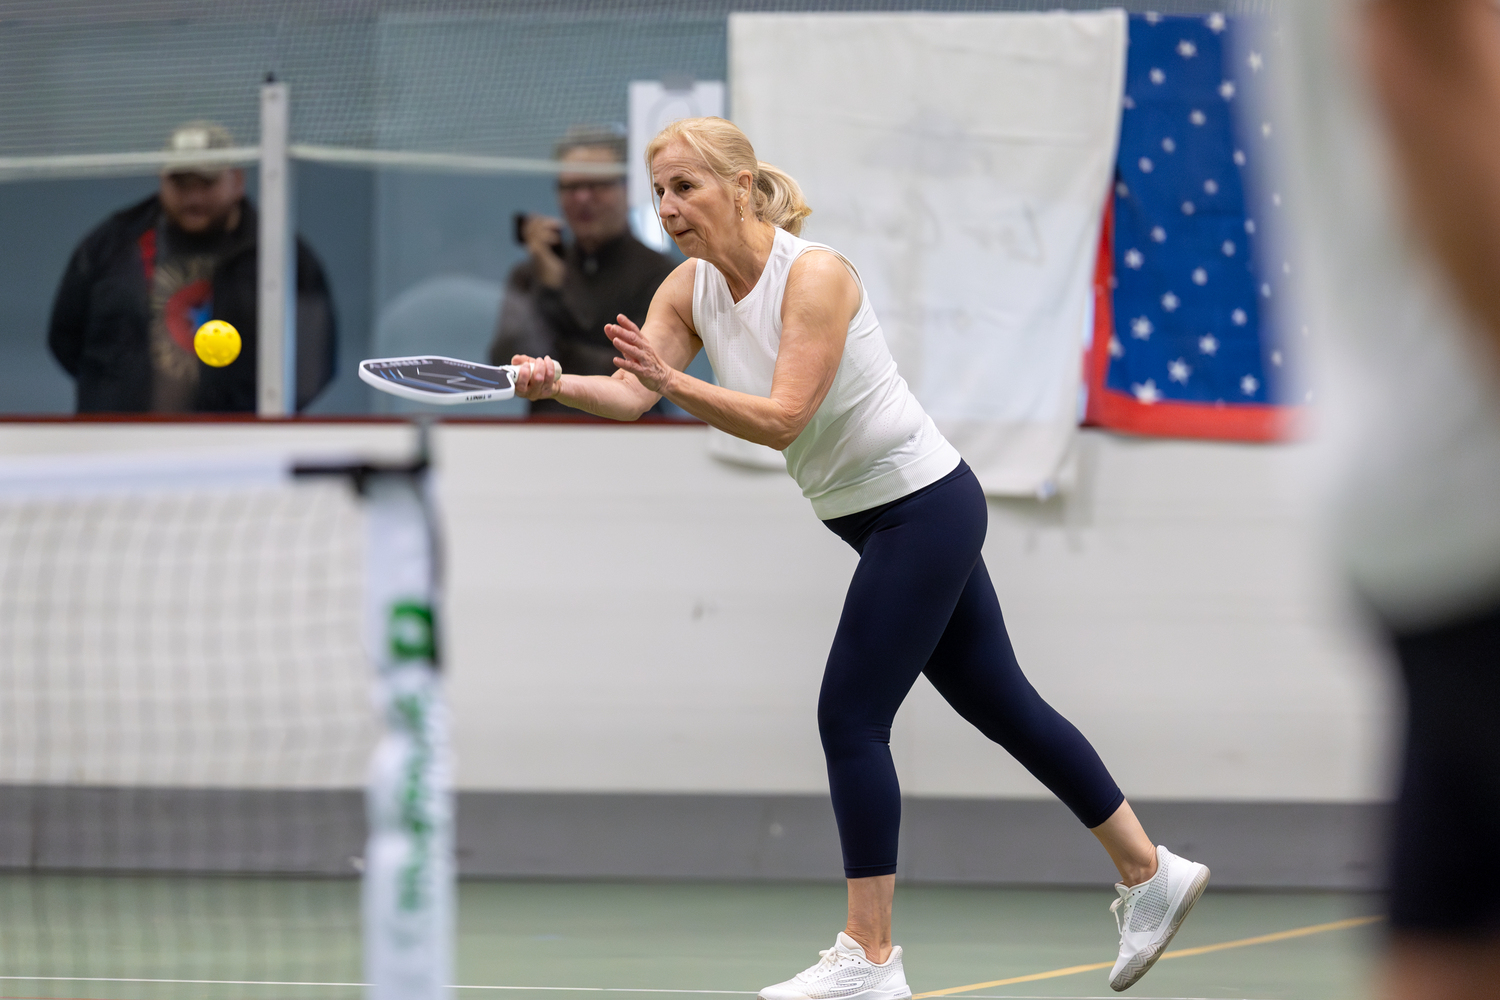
(627, 614)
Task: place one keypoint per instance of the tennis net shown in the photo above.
(186, 728)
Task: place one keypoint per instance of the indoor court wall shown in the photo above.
(635, 635)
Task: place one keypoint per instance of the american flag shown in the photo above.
(1192, 347)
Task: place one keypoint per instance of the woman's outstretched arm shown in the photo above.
(669, 333)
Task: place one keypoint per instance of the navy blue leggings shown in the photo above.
(921, 601)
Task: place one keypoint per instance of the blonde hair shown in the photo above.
(776, 198)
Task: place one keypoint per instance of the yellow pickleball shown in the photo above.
(217, 343)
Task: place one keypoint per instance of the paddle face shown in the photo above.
(435, 379)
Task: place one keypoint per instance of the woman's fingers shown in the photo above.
(536, 378)
(617, 333)
(637, 356)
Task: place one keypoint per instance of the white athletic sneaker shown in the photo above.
(844, 973)
(1149, 914)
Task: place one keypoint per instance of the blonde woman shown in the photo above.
(804, 368)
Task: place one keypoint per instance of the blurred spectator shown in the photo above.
(139, 286)
(1399, 161)
(557, 302)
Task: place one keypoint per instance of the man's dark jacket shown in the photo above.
(101, 319)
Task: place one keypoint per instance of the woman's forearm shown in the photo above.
(754, 418)
(604, 396)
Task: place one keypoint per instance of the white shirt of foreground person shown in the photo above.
(1410, 408)
(870, 442)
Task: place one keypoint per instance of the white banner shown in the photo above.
(962, 162)
(653, 106)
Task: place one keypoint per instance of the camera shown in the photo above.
(519, 220)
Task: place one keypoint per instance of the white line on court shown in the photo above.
(261, 982)
(560, 989)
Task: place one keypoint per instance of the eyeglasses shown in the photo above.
(594, 187)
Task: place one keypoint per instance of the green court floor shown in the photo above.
(259, 939)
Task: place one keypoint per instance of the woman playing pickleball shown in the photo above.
(804, 368)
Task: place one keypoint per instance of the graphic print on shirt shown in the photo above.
(181, 301)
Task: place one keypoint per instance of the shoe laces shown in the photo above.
(828, 960)
(1121, 913)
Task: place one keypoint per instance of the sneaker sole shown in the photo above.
(865, 995)
(1142, 963)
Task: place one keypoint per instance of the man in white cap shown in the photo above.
(139, 286)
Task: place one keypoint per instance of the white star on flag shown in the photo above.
(1179, 370)
(1116, 349)
(1239, 157)
(1216, 23)
(1127, 102)
(1170, 302)
(1198, 118)
(1276, 358)
(1211, 186)
(1169, 144)
(1147, 392)
(1158, 77)
(1187, 49)
(1146, 165)
(1249, 384)
(1229, 248)
(1134, 259)
(1239, 318)
(1188, 208)
(1227, 90)
(1200, 276)
(1158, 234)
(1208, 344)
(1141, 328)
(1256, 62)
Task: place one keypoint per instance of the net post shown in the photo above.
(409, 870)
(276, 333)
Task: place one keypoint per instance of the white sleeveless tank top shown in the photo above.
(870, 441)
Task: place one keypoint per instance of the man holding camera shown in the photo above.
(557, 302)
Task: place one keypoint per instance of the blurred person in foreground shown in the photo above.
(1397, 110)
(139, 286)
(558, 301)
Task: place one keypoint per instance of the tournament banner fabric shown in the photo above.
(1186, 345)
(962, 162)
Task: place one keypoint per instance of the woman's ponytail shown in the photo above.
(778, 199)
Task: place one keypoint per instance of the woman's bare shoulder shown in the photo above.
(819, 271)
